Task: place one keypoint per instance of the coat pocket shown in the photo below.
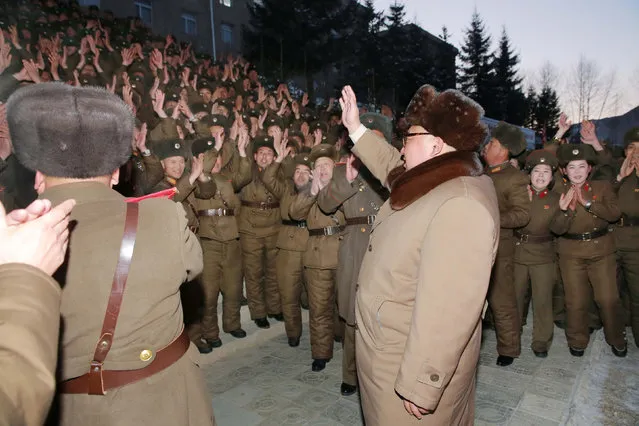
(373, 321)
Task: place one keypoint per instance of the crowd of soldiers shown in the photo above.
(283, 211)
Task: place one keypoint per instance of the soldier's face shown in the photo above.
(301, 176)
(540, 177)
(578, 171)
(632, 150)
(264, 157)
(324, 166)
(173, 167)
(206, 95)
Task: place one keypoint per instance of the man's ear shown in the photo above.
(38, 184)
(115, 177)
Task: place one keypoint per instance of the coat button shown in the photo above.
(370, 247)
(434, 377)
(146, 355)
(363, 229)
(361, 209)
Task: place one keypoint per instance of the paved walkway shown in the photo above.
(260, 380)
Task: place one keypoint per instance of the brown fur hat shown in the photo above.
(70, 132)
(449, 115)
(511, 137)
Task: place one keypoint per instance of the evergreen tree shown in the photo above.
(509, 101)
(531, 108)
(475, 70)
(547, 112)
(445, 35)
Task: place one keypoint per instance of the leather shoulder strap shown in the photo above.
(96, 383)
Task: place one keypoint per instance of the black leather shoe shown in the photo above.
(203, 346)
(504, 361)
(561, 324)
(293, 342)
(214, 343)
(304, 306)
(576, 352)
(319, 364)
(620, 353)
(591, 330)
(238, 334)
(262, 323)
(278, 317)
(541, 354)
(243, 301)
(347, 389)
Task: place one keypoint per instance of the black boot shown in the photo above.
(238, 334)
(620, 353)
(561, 324)
(279, 317)
(203, 346)
(293, 342)
(504, 361)
(214, 343)
(319, 364)
(576, 352)
(541, 354)
(347, 389)
(243, 301)
(262, 323)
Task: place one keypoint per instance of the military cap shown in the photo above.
(273, 120)
(378, 122)
(254, 113)
(322, 150)
(89, 81)
(319, 125)
(295, 134)
(200, 146)
(631, 136)
(571, 152)
(263, 142)
(511, 137)
(217, 120)
(303, 159)
(70, 132)
(168, 148)
(450, 115)
(204, 84)
(173, 94)
(199, 107)
(541, 156)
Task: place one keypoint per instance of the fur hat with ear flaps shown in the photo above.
(70, 132)
(449, 115)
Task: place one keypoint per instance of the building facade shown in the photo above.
(189, 20)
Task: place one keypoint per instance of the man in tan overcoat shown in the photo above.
(423, 282)
(144, 371)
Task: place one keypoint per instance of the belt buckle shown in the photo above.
(328, 231)
(524, 238)
(586, 237)
(220, 212)
(371, 219)
(262, 205)
(301, 224)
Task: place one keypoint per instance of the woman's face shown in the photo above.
(540, 177)
(578, 171)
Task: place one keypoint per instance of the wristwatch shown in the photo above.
(588, 205)
(146, 153)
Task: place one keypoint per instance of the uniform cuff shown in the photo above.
(357, 134)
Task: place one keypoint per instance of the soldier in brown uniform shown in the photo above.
(587, 251)
(143, 371)
(320, 257)
(514, 203)
(221, 249)
(627, 229)
(359, 196)
(292, 239)
(535, 257)
(259, 224)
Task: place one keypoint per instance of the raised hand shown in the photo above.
(566, 200)
(243, 141)
(140, 138)
(197, 167)
(317, 137)
(350, 111)
(351, 171)
(564, 124)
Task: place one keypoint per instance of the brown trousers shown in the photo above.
(320, 284)
(542, 280)
(583, 280)
(559, 305)
(503, 302)
(259, 258)
(349, 366)
(290, 269)
(629, 264)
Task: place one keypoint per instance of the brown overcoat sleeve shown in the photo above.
(378, 156)
(338, 190)
(29, 327)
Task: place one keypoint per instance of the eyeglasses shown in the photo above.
(410, 135)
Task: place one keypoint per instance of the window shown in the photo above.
(226, 3)
(189, 24)
(90, 3)
(227, 34)
(144, 9)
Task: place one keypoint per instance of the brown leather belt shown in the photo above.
(327, 231)
(586, 236)
(628, 221)
(216, 212)
(297, 223)
(533, 239)
(362, 220)
(111, 379)
(260, 205)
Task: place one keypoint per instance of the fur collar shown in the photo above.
(407, 186)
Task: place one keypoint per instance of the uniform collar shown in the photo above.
(81, 192)
(170, 180)
(542, 194)
(499, 167)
